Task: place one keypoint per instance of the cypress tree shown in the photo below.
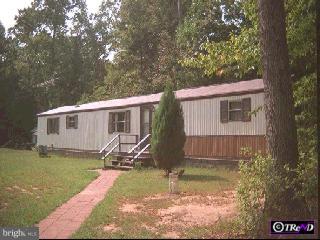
(168, 136)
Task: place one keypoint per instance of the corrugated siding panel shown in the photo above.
(92, 132)
(202, 117)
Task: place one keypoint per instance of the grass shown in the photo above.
(32, 187)
(135, 185)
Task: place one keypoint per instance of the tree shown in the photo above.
(211, 21)
(60, 56)
(52, 56)
(279, 107)
(143, 34)
(17, 107)
(168, 136)
(238, 57)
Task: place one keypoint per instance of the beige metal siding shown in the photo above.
(202, 117)
(92, 131)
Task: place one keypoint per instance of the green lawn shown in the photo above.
(32, 187)
(135, 186)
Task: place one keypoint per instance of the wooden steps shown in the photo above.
(125, 168)
(127, 160)
(123, 161)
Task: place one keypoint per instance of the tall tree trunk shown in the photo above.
(279, 107)
(179, 11)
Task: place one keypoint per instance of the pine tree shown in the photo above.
(168, 136)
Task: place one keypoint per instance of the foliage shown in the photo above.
(17, 105)
(308, 175)
(168, 136)
(306, 118)
(54, 54)
(262, 181)
(209, 21)
(306, 114)
(147, 53)
(251, 191)
(69, 63)
(236, 56)
(239, 56)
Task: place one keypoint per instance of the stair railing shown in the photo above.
(103, 150)
(139, 143)
(139, 153)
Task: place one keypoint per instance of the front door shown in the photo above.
(145, 122)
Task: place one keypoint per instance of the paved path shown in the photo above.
(66, 219)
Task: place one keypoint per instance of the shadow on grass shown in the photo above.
(202, 178)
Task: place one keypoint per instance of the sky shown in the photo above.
(9, 8)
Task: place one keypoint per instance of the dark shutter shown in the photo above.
(127, 119)
(246, 109)
(224, 111)
(111, 123)
(48, 126)
(67, 122)
(75, 121)
(150, 118)
(57, 121)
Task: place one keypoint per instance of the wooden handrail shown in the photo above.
(108, 144)
(130, 135)
(103, 157)
(139, 153)
(139, 143)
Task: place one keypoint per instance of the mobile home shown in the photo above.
(216, 119)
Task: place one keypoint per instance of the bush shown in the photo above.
(168, 136)
(261, 178)
(308, 177)
(251, 192)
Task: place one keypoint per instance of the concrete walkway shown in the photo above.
(66, 219)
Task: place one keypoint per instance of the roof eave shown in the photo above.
(155, 102)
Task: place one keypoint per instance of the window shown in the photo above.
(238, 110)
(53, 126)
(235, 111)
(119, 122)
(72, 122)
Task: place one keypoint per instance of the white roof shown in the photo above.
(183, 94)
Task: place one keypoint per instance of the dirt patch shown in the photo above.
(156, 197)
(131, 208)
(149, 228)
(195, 214)
(3, 206)
(111, 228)
(171, 235)
(17, 188)
(26, 191)
(176, 213)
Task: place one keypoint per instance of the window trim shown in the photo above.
(244, 107)
(235, 110)
(113, 125)
(116, 122)
(53, 128)
(74, 121)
